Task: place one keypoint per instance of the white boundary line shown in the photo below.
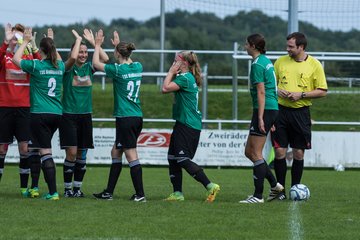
(296, 230)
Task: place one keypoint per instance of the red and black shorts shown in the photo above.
(293, 127)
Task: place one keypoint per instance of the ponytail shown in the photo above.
(125, 49)
(47, 46)
(194, 65)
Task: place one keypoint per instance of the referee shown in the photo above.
(300, 78)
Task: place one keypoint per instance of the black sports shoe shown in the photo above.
(137, 198)
(68, 193)
(78, 194)
(281, 196)
(103, 195)
(276, 192)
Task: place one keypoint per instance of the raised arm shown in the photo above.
(116, 40)
(9, 34)
(169, 85)
(18, 55)
(99, 39)
(50, 34)
(89, 36)
(34, 48)
(74, 52)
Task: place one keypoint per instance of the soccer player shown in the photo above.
(15, 107)
(76, 131)
(45, 97)
(265, 111)
(127, 76)
(184, 78)
(301, 78)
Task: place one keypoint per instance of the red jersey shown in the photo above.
(14, 83)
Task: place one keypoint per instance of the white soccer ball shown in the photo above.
(339, 168)
(299, 192)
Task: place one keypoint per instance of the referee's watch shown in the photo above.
(303, 95)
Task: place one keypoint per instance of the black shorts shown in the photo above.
(128, 130)
(43, 126)
(269, 119)
(293, 126)
(183, 142)
(14, 122)
(76, 130)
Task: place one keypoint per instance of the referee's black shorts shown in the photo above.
(293, 127)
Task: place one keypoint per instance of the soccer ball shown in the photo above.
(299, 192)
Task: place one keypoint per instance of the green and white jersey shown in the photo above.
(77, 85)
(262, 71)
(185, 108)
(126, 81)
(45, 85)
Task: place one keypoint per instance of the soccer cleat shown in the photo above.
(175, 196)
(78, 194)
(24, 192)
(34, 192)
(252, 199)
(137, 198)
(213, 190)
(281, 196)
(68, 193)
(51, 197)
(103, 195)
(276, 192)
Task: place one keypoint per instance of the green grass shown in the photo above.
(331, 213)
(334, 107)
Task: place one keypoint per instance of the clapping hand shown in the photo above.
(99, 37)
(50, 33)
(89, 36)
(116, 40)
(9, 33)
(77, 36)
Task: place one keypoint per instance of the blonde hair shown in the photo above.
(193, 63)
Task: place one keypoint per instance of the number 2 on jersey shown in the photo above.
(52, 86)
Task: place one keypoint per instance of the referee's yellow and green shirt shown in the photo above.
(296, 76)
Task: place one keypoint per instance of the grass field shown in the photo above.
(331, 213)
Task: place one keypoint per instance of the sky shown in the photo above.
(326, 14)
(43, 12)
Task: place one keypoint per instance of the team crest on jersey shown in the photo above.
(79, 81)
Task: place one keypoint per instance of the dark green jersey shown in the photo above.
(127, 81)
(185, 108)
(45, 85)
(77, 85)
(262, 71)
